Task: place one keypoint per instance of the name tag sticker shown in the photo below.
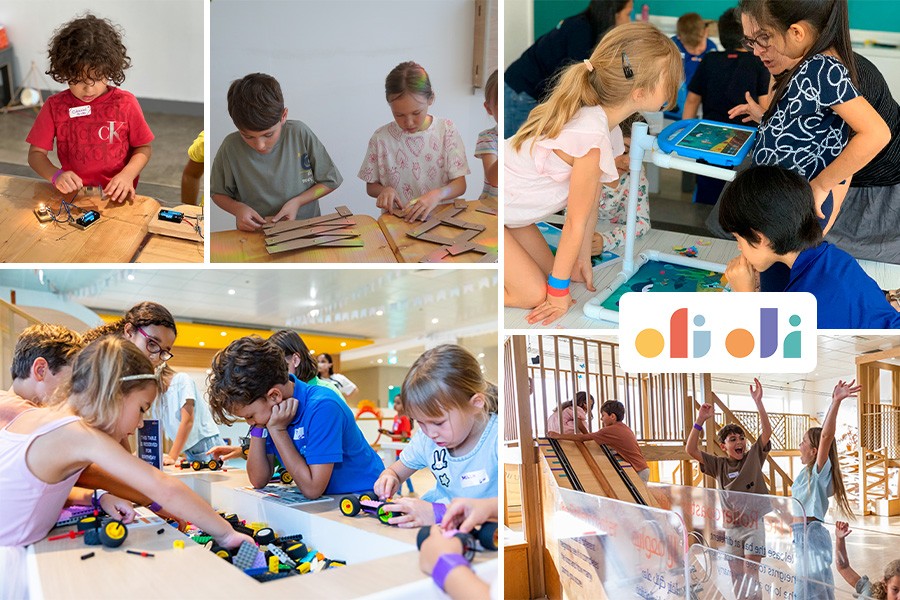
(298, 433)
(733, 475)
(79, 111)
(473, 478)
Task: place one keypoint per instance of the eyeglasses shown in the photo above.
(153, 347)
(763, 41)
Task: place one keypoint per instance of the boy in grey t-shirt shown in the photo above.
(740, 470)
(270, 168)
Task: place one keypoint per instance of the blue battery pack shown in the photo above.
(719, 144)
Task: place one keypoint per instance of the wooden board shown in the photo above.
(245, 247)
(164, 249)
(629, 472)
(412, 250)
(580, 464)
(115, 238)
(560, 476)
(184, 230)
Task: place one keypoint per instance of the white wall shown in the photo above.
(164, 39)
(331, 59)
(518, 29)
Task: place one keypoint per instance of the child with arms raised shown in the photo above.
(43, 451)
(888, 588)
(819, 480)
(565, 151)
(310, 429)
(101, 136)
(271, 168)
(456, 410)
(417, 161)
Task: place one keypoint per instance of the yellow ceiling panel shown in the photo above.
(215, 337)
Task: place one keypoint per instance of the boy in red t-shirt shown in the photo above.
(101, 136)
(615, 434)
(401, 431)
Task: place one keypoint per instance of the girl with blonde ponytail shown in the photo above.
(44, 450)
(564, 152)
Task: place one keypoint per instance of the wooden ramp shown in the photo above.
(595, 469)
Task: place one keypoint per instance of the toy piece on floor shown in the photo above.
(690, 251)
(325, 231)
(467, 540)
(367, 502)
(455, 245)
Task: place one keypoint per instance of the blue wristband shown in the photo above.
(558, 284)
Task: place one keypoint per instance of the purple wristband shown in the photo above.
(56, 176)
(698, 428)
(446, 563)
(439, 511)
(257, 432)
(155, 506)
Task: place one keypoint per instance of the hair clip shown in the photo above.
(157, 374)
(589, 65)
(626, 67)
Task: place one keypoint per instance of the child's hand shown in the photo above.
(741, 275)
(282, 414)
(752, 109)
(551, 309)
(842, 529)
(435, 546)
(168, 460)
(756, 393)
(706, 411)
(820, 195)
(288, 212)
(68, 182)
(844, 390)
(584, 273)
(233, 539)
(466, 513)
(248, 219)
(416, 513)
(388, 199)
(117, 508)
(120, 188)
(387, 484)
(419, 208)
(224, 453)
(596, 244)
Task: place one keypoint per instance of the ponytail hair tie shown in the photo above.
(589, 66)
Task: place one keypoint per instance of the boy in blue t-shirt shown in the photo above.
(308, 428)
(770, 212)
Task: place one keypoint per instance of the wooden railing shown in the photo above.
(878, 452)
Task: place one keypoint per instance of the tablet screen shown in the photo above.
(720, 139)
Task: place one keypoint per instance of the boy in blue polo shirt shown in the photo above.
(770, 212)
(308, 428)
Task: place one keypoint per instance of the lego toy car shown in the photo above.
(197, 465)
(367, 502)
(282, 475)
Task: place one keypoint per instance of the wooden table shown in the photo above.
(250, 246)
(381, 560)
(167, 249)
(115, 238)
(410, 250)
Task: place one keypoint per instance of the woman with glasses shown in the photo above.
(815, 106)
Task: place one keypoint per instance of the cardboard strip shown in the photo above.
(307, 233)
(454, 222)
(486, 210)
(435, 256)
(302, 243)
(342, 212)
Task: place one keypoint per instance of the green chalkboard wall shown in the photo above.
(875, 15)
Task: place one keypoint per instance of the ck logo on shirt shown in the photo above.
(109, 133)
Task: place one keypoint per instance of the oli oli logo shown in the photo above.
(718, 333)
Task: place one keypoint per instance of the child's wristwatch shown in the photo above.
(444, 565)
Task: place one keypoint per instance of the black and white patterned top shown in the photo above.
(804, 134)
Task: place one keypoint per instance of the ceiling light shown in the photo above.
(224, 333)
(481, 355)
(202, 343)
(379, 361)
(390, 387)
(343, 344)
(231, 292)
(312, 293)
(311, 351)
(131, 277)
(379, 312)
(314, 312)
(434, 321)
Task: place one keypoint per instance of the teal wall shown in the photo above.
(876, 15)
